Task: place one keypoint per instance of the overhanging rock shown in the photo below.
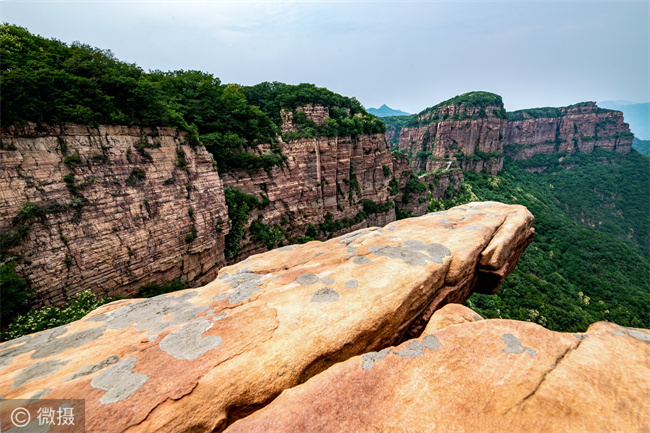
(200, 359)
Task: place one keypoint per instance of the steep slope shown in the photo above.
(108, 209)
(574, 274)
(577, 128)
(469, 128)
(199, 359)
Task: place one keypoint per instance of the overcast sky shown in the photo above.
(408, 55)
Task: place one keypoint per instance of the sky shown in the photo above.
(407, 54)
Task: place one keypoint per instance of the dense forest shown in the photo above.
(46, 81)
(589, 259)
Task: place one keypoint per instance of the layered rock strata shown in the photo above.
(116, 207)
(468, 374)
(324, 178)
(200, 359)
(582, 127)
(472, 135)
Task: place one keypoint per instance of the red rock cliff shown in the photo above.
(472, 135)
(581, 127)
(118, 207)
(323, 178)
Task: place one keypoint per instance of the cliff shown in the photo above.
(112, 208)
(581, 127)
(200, 359)
(333, 184)
(468, 128)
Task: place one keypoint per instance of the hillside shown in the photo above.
(643, 146)
(589, 259)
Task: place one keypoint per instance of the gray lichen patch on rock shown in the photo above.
(513, 345)
(38, 370)
(440, 212)
(285, 248)
(326, 294)
(39, 395)
(352, 284)
(29, 343)
(361, 260)
(350, 251)
(93, 368)
(245, 284)
(351, 237)
(219, 317)
(306, 279)
(415, 350)
(478, 227)
(370, 358)
(327, 280)
(78, 339)
(580, 336)
(149, 314)
(119, 381)
(431, 342)
(413, 252)
(639, 335)
(188, 342)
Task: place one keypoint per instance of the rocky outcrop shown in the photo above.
(324, 180)
(472, 135)
(200, 359)
(581, 127)
(468, 374)
(114, 208)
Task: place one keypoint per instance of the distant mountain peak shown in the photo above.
(385, 110)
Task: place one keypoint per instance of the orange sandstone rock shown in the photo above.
(200, 359)
(484, 376)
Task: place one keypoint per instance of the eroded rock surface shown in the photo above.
(115, 206)
(200, 359)
(477, 376)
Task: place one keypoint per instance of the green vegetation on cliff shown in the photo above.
(589, 259)
(480, 100)
(46, 81)
(550, 112)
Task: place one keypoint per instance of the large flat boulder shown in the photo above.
(477, 375)
(200, 359)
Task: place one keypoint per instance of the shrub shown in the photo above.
(72, 161)
(49, 317)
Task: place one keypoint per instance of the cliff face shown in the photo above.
(459, 132)
(582, 127)
(200, 359)
(321, 176)
(114, 209)
(324, 179)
